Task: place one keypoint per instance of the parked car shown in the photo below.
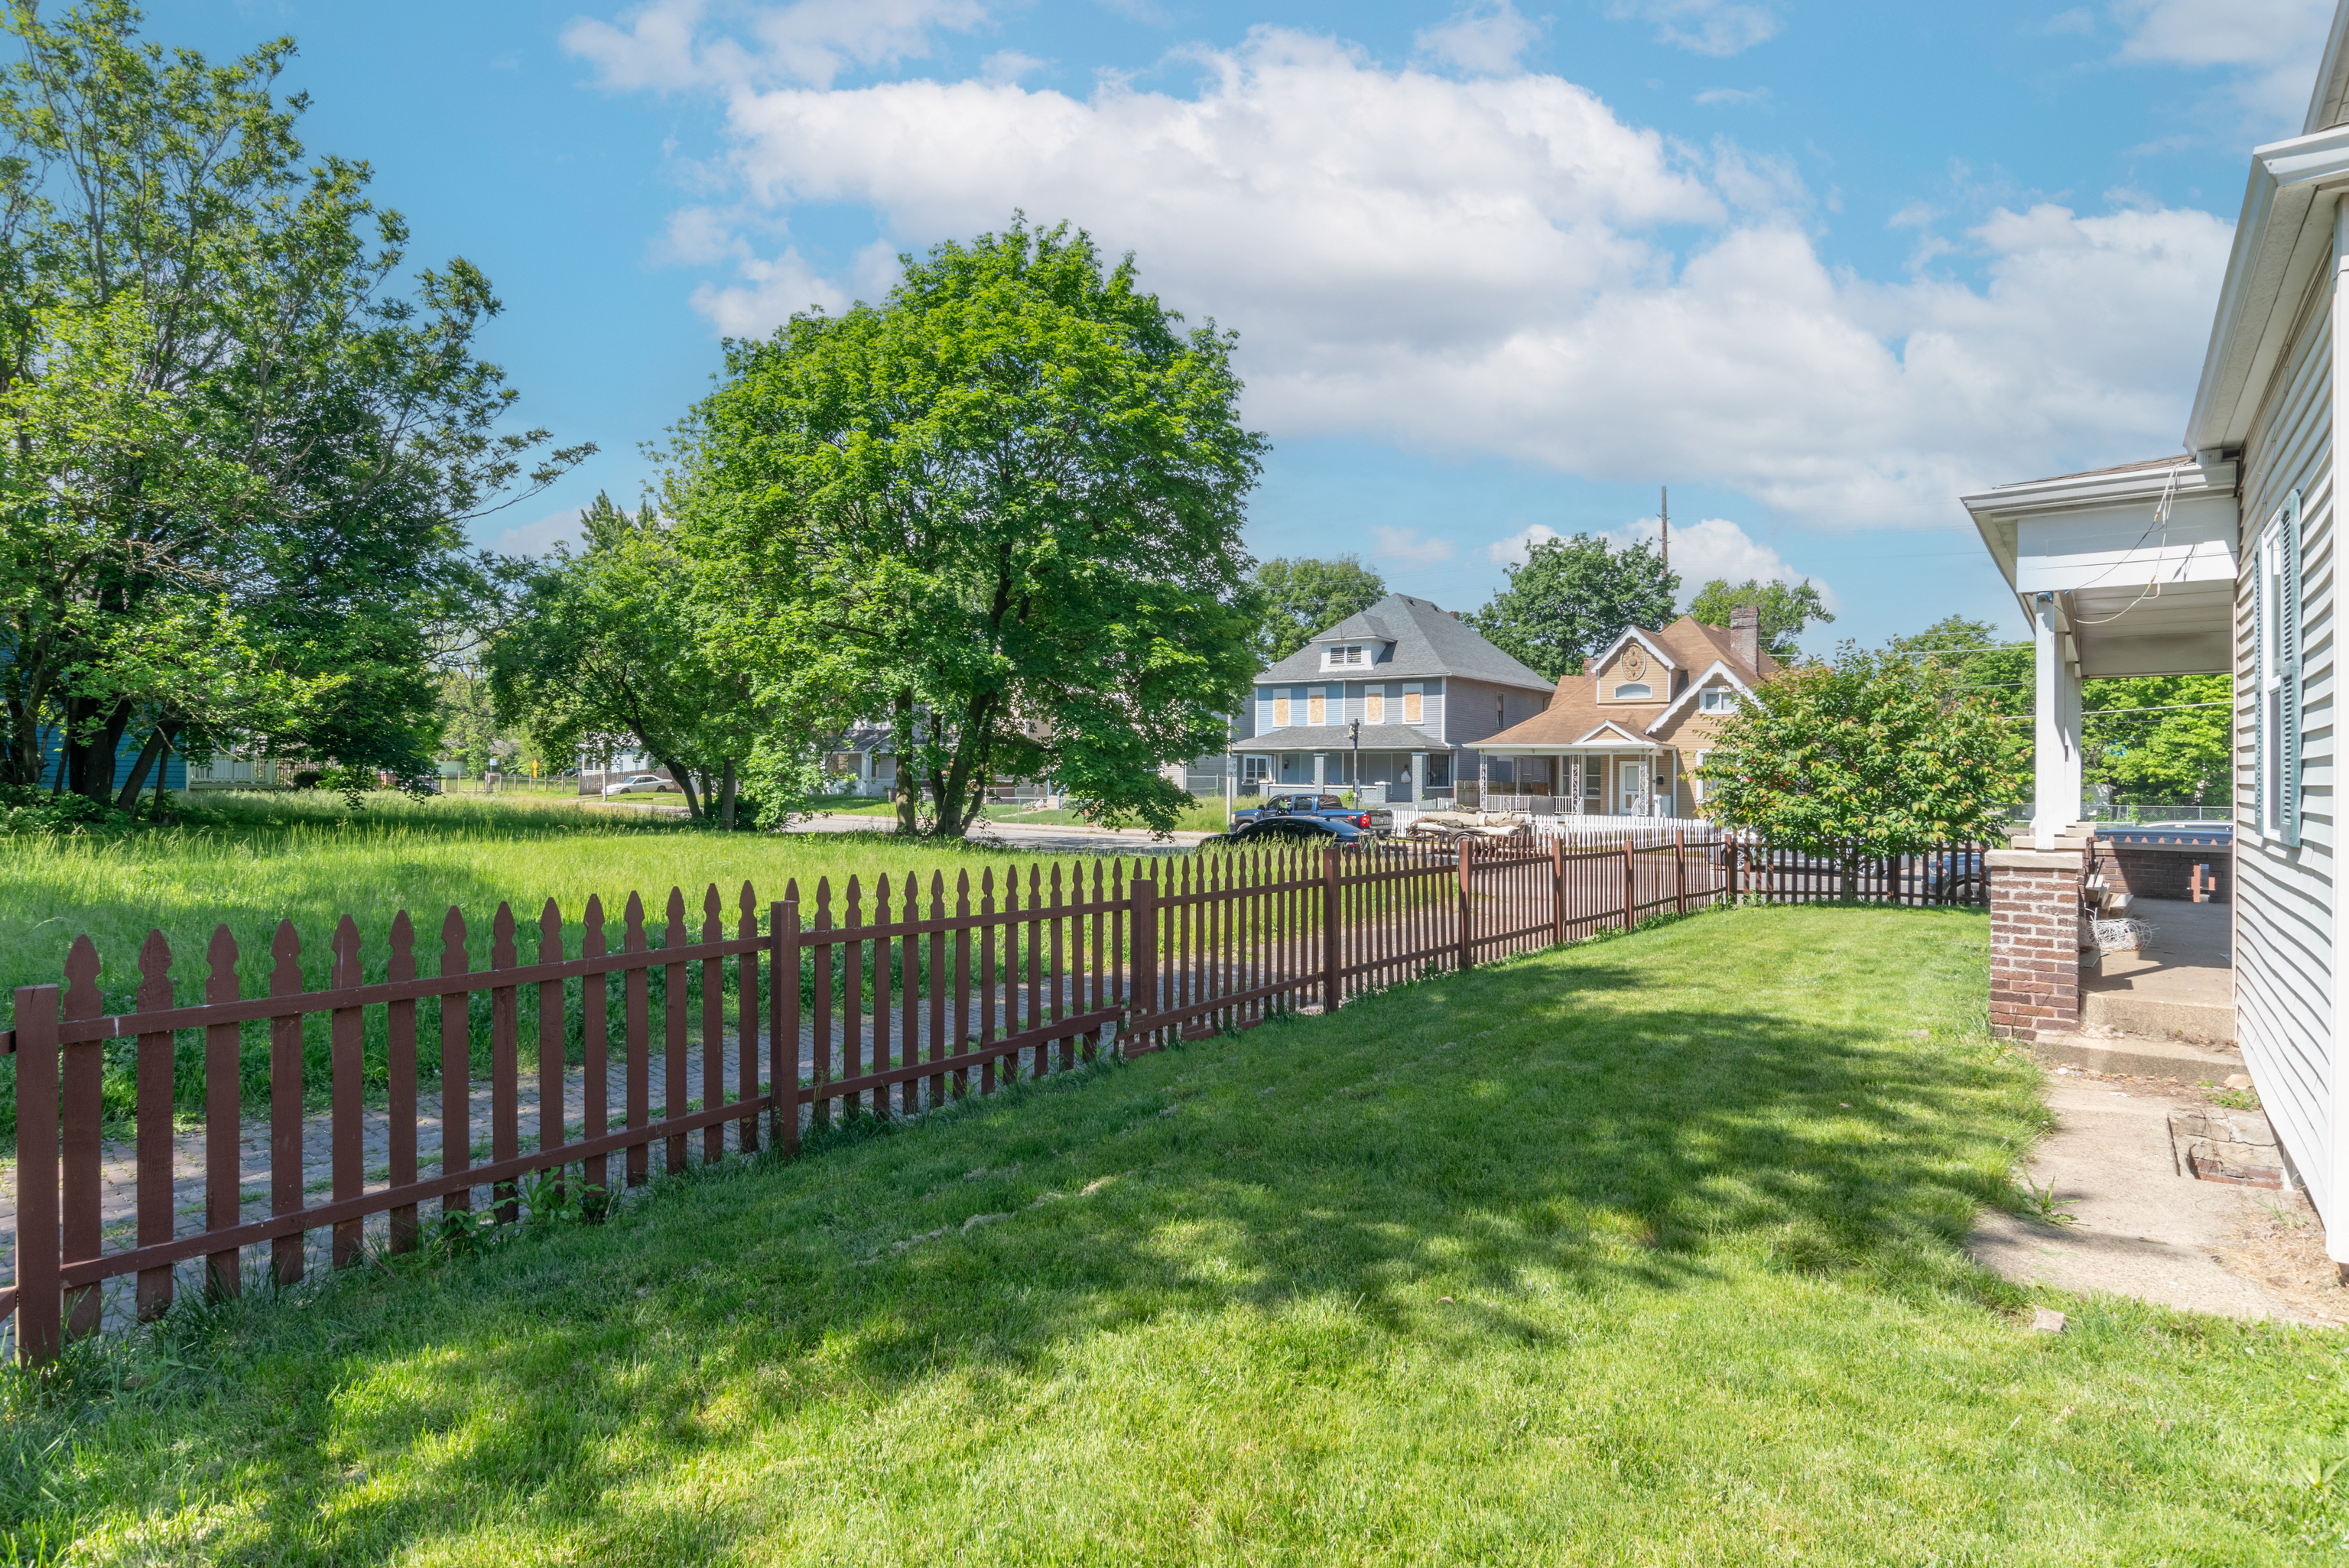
(1373, 820)
(639, 784)
(1956, 876)
(1330, 829)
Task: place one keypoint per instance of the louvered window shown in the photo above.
(2276, 686)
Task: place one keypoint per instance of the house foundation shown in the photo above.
(2034, 942)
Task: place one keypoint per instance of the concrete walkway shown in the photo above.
(2140, 1228)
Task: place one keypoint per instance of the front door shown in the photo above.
(1632, 781)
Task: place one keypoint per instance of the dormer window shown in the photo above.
(1634, 691)
(1344, 655)
(1716, 699)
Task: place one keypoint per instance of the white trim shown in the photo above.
(1630, 633)
(2282, 236)
(1611, 727)
(1718, 667)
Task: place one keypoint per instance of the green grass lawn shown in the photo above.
(1643, 1251)
(1205, 814)
(254, 859)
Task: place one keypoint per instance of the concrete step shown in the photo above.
(2140, 1054)
(2158, 1017)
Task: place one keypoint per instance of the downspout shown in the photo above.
(2336, 1222)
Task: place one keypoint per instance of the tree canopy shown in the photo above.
(998, 511)
(1876, 753)
(1300, 596)
(1571, 597)
(608, 651)
(237, 460)
(1784, 609)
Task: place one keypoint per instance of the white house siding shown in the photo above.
(2283, 932)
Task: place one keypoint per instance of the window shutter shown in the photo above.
(2288, 661)
(2259, 686)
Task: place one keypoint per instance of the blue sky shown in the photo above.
(1497, 269)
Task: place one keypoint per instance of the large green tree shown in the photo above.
(1571, 597)
(1299, 596)
(268, 438)
(1875, 753)
(2154, 739)
(607, 650)
(1784, 609)
(1000, 511)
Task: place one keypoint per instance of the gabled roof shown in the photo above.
(1697, 684)
(1602, 732)
(1427, 643)
(1576, 715)
(1633, 635)
(2329, 105)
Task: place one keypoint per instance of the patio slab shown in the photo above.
(2179, 986)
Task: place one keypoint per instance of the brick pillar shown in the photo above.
(2034, 943)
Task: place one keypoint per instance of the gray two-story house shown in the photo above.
(1423, 687)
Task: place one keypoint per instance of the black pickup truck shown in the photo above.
(1330, 810)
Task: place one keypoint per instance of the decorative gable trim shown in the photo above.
(1610, 730)
(1718, 667)
(1630, 634)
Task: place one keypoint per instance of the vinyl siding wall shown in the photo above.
(1346, 702)
(2283, 931)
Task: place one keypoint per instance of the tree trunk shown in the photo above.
(151, 754)
(727, 784)
(908, 786)
(684, 777)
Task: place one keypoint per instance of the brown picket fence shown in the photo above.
(894, 998)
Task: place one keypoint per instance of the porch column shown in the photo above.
(1321, 768)
(1573, 785)
(2056, 728)
(1418, 776)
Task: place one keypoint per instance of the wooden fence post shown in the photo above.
(1467, 944)
(783, 1024)
(40, 1306)
(1680, 867)
(1141, 952)
(1630, 886)
(1557, 886)
(1331, 979)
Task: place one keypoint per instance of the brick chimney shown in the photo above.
(1745, 636)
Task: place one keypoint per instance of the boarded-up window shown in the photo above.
(1374, 708)
(1413, 708)
(1280, 713)
(1317, 709)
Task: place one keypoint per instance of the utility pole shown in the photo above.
(1355, 765)
(1665, 506)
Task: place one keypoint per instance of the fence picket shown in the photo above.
(456, 1066)
(154, 1125)
(594, 1052)
(346, 1074)
(224, 1115)
(639, 994)
(505, 1064)
(746, 996)
(713, 1025)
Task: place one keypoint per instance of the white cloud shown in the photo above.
(1010, 65)
(2078, 19)
(1704, 26)
(1487, 267)
(1716, 547)
(770, 294)
(1701, 551)
(1736, 97)
(658, 46)
(539, 535)
(1407, 545)
(2271, 46)
(1486, 37)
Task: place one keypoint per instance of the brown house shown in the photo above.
(1622, 739)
